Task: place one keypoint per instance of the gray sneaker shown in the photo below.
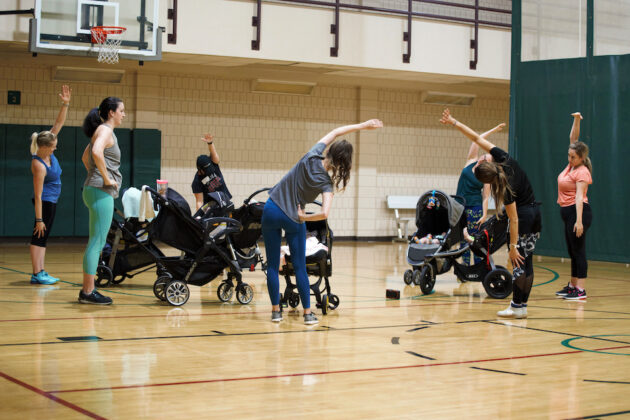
(310, 319)
(276, 316)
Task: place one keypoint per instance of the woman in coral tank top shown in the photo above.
(575, 210)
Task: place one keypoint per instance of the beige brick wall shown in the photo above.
(260, 136)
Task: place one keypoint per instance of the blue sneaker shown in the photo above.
(41, 278)
(49, 276)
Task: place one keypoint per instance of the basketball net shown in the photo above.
(109, 39)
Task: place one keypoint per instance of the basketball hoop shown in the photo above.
(108, 39)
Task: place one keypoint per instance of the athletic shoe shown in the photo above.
(512, 311)
(310, 319)
(576, 294)
(41, 278)
(94, 298)
(49, 276)
(565, 290)
(276, 316)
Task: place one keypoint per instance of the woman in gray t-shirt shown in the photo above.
(314, 174)
(102, 162)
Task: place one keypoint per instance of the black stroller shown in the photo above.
(319, 264)
(128, 251)
(442, 216)
(245, 241)
(206, 250)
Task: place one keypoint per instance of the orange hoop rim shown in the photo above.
(109, 30)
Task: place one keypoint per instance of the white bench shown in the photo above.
(402, 202)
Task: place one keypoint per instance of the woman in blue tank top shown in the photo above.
(46, 189)
(474, 192)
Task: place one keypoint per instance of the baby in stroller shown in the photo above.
(430, 260)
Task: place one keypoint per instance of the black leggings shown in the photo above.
(576, 246)
(48, 216)
(529, 227)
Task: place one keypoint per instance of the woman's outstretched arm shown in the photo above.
(65, 95)
(575, 128)
(209, 140)
(474, 148)
(340, 131)
(447, 118)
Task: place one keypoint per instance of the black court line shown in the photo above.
(416, 329)
(218, 332)
(413, 353)
(80, 338)
(557, 332)
(607, 382)
(395, 340)
(498, 371)
(215, 335)
(596, 416)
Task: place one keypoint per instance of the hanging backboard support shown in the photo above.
(63, 27)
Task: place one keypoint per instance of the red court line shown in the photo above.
(51, 397)
(251, 378)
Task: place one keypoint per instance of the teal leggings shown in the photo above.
(101, 208)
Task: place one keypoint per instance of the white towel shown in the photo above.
(146, 206)
(131, 202)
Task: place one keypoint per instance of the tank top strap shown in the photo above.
(42, 161)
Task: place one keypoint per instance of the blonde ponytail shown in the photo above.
(34, 143)
(42, 139)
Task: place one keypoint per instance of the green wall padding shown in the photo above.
(147, 155)
(547, 93)
(16, 181)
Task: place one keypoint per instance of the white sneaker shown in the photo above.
(511, 312)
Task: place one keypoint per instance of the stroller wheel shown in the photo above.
(408, 277)
(294, 300)
(177, 292)
(427, 279)
(104, 276)
(325, 303)
(498, 283)
(119, 279)
(334, 301)
(244, 293)
(225, 292)
(159, 286)
(416, 276)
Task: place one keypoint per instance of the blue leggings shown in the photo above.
(101, 208)
(274, 221)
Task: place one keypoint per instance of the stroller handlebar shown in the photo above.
(248, 199)
(217, 220)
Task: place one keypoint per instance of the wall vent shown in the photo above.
(441, 98)
(82, 74)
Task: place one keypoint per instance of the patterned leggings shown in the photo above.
(473, 214)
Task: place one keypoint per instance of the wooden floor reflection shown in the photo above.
(443, 355)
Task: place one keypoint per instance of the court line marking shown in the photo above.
(331, 372)
(607, 382)
(562, 333)
(51, 396)
(104, 340)
(566, 343)
(413, 353)
(596, 416)
(498, 371)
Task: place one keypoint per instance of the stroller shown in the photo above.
(442, 216)
(318, 264)
(206, 251)
(128, 248)
(245, 241)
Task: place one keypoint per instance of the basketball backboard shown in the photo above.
(63, 27)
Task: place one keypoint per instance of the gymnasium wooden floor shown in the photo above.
(444, 355)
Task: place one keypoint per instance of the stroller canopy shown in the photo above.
(444, 201)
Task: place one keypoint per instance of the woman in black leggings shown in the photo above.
(510, 186)
(575, 211)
